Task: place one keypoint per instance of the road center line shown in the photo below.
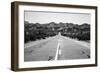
(57, 51)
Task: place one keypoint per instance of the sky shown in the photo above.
(57, 17)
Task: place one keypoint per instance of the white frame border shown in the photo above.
(23, 64)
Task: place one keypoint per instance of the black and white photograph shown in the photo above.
(50, 36)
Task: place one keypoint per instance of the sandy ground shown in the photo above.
(46, 49)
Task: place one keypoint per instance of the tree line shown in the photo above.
(37, 31)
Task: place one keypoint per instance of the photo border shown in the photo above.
(15, 34)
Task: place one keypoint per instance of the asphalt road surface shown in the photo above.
(56, 48)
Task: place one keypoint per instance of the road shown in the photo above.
(56, 48)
